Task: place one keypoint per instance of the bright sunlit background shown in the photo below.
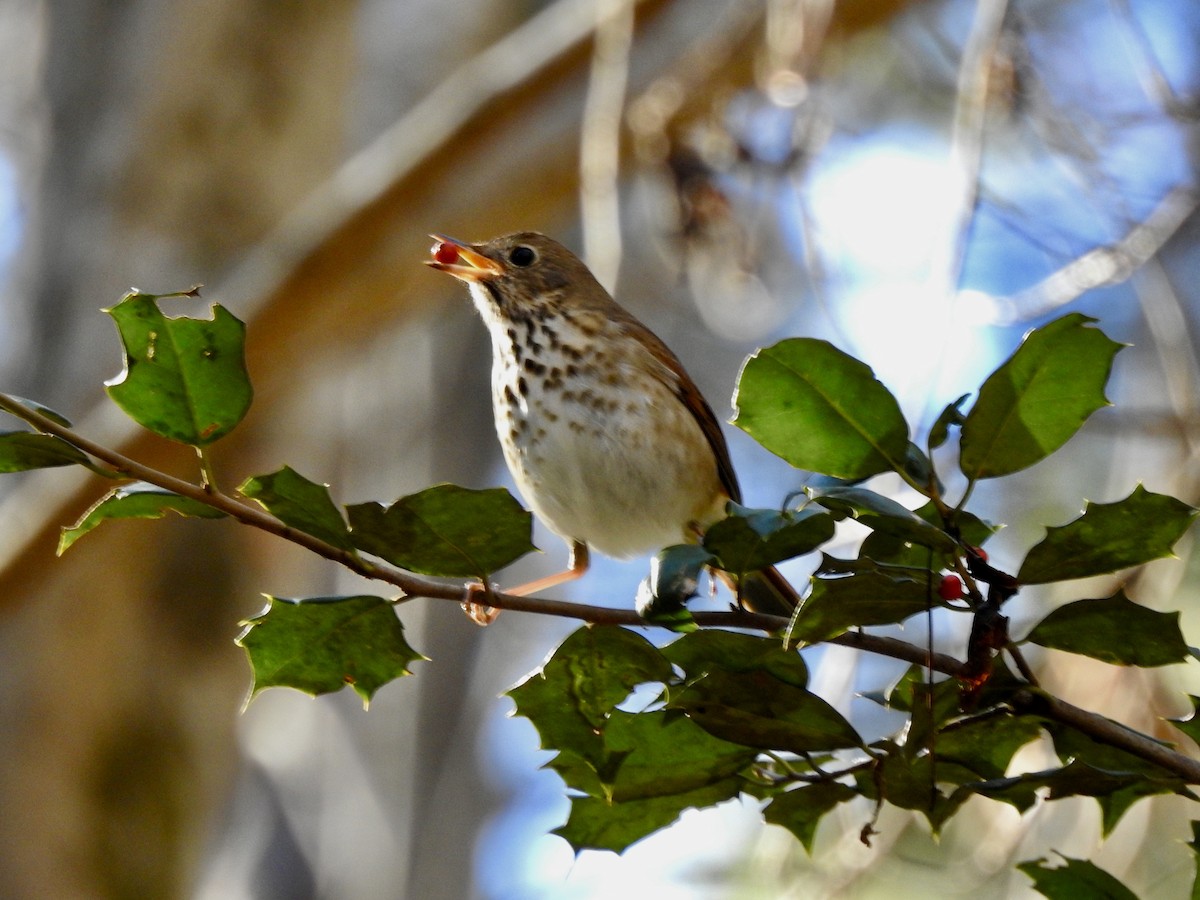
(918, 181)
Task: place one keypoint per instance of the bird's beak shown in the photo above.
(460, 260)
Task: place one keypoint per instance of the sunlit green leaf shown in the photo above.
(134, 501)
(1115, 630)
(1035, 401)
(445, 530)
(1107, 537)
(301, 504)
(184, 379)
(323, 644)
(821, 410)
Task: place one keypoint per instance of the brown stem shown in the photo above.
(1034, 702)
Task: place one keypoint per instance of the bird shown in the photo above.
(608, 439)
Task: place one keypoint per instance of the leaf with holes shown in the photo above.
(134, 501)
(184, 379)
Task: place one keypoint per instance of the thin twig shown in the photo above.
(1033, 701)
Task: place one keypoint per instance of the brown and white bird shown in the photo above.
(607, 437)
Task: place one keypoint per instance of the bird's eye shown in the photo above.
(522, 256)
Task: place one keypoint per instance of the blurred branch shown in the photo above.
(1149, 68)
(1101, 266)
(600, 139)
(1035, 702)
(979, 62)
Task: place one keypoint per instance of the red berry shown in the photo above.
(981, 553)
(950, 587)
(445, 253)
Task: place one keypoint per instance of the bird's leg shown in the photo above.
(481, 613)
(577, 564)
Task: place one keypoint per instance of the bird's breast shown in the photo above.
(602, 449)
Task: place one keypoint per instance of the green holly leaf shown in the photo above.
(911, 782)
(445, 530)
(300, 504)
(46, 411)
(599, 824)
(821, 410)
(894, 549)
(874, 595)
(751, 539)
(184, 379)
(714, 650)
(801, 810)
(674, 579)
(1114, 630)
(570, 698)
(880, 513)
(1077, 880)
(322, 644)
(1039, 398)
(1108, 537)
(134, 501)
(1191, 725)
(950, 416)
(985, 744)
(24, 450)
(756, 709)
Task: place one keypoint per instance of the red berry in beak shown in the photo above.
(446, 254)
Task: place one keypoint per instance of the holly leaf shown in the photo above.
(134, 501)
(801, 810)
(1191, 725)
(598, 824)
(874, 595)
(184, 379)
(46, 411)
(21, 451)
(570, 698)
(445, 530)
(880, 513)
(300, 504)
(821, 410)
(756, 709)
(751, 539)
(1033, 403)
(1107, 537)
(1114, 630)
(322, 644)
(674, 579)
(1077, 880)
(950, 416)
(714, 650)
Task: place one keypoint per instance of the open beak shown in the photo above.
(460, 260)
